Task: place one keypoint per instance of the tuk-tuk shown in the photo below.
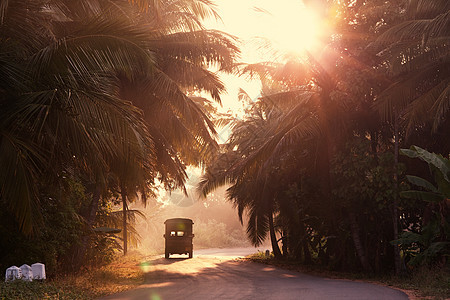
(179, 236)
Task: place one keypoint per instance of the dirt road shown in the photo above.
(216, 274)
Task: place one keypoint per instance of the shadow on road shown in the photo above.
(223, 278)
(163, 261)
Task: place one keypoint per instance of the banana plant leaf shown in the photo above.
(422, 195)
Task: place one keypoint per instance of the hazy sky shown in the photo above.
(287, 24)
(284, 22)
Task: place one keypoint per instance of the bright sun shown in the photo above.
(287, 24)
(291, 26)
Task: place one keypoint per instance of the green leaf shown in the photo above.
(422, 183)
(435, 249)
(442, 183)
(408, 152)
(407, 238)
(424, 196)
(433, 159)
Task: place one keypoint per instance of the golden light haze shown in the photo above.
(287, 26)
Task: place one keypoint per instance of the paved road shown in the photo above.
(216, 274)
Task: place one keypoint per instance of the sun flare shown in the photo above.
(291, 27)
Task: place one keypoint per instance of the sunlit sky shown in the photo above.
(289, 27)
(287, 24)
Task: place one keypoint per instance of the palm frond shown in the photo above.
(399, 94)
(410, 56)
(3, 10)
(105, 49)
(441, 105)
(179, 15)
(209, 48)
(21, 162)
(258, 225)
(419, 31)
(435, 101)
(218, 173)
(427, 9)
(293, 128)
(114, 219)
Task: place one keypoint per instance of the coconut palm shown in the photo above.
(181, 129)
(308, 128)
(249, 166)
(415, 54)
(61, 111)
(77, 105)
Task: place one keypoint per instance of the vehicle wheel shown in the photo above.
(190, 254)
(167, 255)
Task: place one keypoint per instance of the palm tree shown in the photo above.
(62, 114)
(181, 130)
(415, 56)
(307, 119)
(58, 113)
(250, 165)
(76, 103)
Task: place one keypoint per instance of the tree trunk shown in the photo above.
(273, 238)
(306, 253)
(124, 218)
(374, 144)
(284, 244)
(80, 253)
(354, 228)
(377, 263)
(93, 208)
(397, 261)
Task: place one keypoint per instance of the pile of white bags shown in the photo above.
(13, 273)
(38, 271)
(25, 272)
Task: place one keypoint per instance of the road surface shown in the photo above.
(216, 274)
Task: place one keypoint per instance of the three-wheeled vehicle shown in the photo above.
(179, 236)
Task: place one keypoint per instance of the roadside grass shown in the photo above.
(126, 273)
(425, 282)
(122, 274)
(422, 283)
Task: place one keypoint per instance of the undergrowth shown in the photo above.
(122, 274)
(419, 283)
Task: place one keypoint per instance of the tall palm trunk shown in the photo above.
(326, 153)
(94, 205)
(124, 217)
(306, 252)
(397, 260)
(90, 215)
(354, 228)
(273, 238)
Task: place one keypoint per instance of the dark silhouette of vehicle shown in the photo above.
(179, 236)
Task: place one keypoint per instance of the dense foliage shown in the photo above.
(94, 111)
(315, 162)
